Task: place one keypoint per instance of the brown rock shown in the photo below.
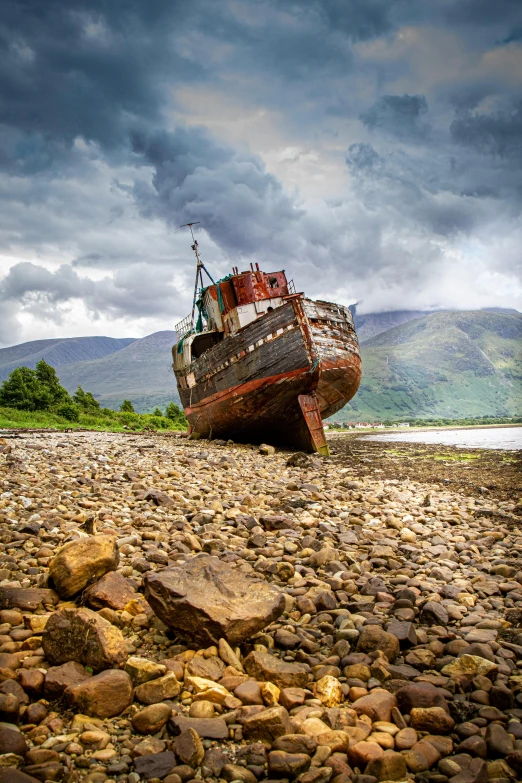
(35, 713)
(374, 638)
(155, 765)
(82, 635)
(157, 690)
(434, 613)
(235, 772)
(142, 670)
(292, 697)
(151, 719)
(207, 599)
(337, 741)
(112, 590)
(429, 751)
(390, 766)
(147, 746)
(283, 764)
(209, 668)
(16, 776)
(263, 666)
(268, 724)
(105, 695)
(31, 680)
(82, 562)
(9, 661)
(51, 770)
(202, 709)
(434, 720)
(249, 692)
(405, 739)
(419, 694)
(295, 743)
(58, 678)
(12, 741)
(362, 753)
(377, 705)
(213, 728)
(9, 707)
(27, 599)
(188, 747)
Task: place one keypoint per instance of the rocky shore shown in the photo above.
(175, 611)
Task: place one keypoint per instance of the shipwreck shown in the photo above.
(257, 361)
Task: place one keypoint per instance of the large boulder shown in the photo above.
(82, 562)
(83, 636)
(105, 695)
(206, 600)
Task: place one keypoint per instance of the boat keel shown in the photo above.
(313, 423)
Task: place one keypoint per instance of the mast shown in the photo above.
(200, 268)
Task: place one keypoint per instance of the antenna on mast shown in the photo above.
(200, 268)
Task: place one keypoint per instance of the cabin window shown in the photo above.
(273, 282)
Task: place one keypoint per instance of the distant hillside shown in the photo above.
(448, 364)
(59, 351)
(370, 324)
(140, 372)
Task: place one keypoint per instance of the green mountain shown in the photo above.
(445, 364)
(58, 352)
(140, 372)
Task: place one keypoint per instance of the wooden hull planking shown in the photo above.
(274, 379)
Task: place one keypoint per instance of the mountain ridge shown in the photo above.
(59, 351)
(450, 363)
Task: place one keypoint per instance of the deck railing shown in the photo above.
(183, 327)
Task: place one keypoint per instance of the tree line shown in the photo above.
(40, 390)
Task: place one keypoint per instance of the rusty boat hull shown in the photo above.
(276, 378)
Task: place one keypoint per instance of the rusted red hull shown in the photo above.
(276, 378)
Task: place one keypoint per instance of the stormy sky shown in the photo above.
(372, 148)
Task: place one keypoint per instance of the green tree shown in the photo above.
(126, 407)
(32, 390)
(172, 411)
(85, 400)
(46, 375)
(157, 412)
(23, 390)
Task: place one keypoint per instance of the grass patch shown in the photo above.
(104, 421)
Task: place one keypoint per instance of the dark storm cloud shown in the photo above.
(85, 68)
(498, 133)
(241, 205)
(88, 84)
(399, 115)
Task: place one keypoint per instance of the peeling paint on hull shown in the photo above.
(248, 387)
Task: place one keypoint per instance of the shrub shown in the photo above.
(126, 407)
(69, 411)
(157, 412)
(157, 422)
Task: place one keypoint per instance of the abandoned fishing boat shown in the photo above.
(258, 362)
